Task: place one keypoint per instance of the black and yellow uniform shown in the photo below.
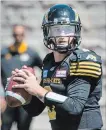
(12, 58)
(75, 85)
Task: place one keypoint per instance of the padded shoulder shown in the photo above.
(88, 55)
(85, 55)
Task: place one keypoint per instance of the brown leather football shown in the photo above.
(17, 96)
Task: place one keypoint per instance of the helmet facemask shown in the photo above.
(62, 37)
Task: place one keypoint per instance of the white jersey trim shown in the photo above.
(56, 97)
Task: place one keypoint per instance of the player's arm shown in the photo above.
(78, 90)
(77, 94)
(35, 107)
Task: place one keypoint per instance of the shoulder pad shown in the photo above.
(86, 63)
(48, 57)
(86, 55)
(4, 51)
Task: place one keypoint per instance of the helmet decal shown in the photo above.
(76, 15)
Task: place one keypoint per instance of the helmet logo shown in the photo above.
(76, 15)
(46, 17)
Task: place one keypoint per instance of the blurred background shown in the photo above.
(30, 14)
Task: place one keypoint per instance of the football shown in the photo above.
(17, 96)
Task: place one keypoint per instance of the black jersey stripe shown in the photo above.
(84, 74)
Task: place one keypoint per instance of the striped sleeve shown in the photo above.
(85, 68)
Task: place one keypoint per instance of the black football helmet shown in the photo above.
(61, 21)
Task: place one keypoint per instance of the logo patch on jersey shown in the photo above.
(92, 57)
(52, 80)
(45, 73)
(61, 73)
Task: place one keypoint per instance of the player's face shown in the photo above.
(64, 40)
(64, 34)
(18, 34)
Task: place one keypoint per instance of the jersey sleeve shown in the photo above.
(73, 102)
(35, 107)
(83, 75)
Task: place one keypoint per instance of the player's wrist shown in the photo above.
(41, 92)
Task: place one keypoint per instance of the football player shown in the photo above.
(71, 77)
